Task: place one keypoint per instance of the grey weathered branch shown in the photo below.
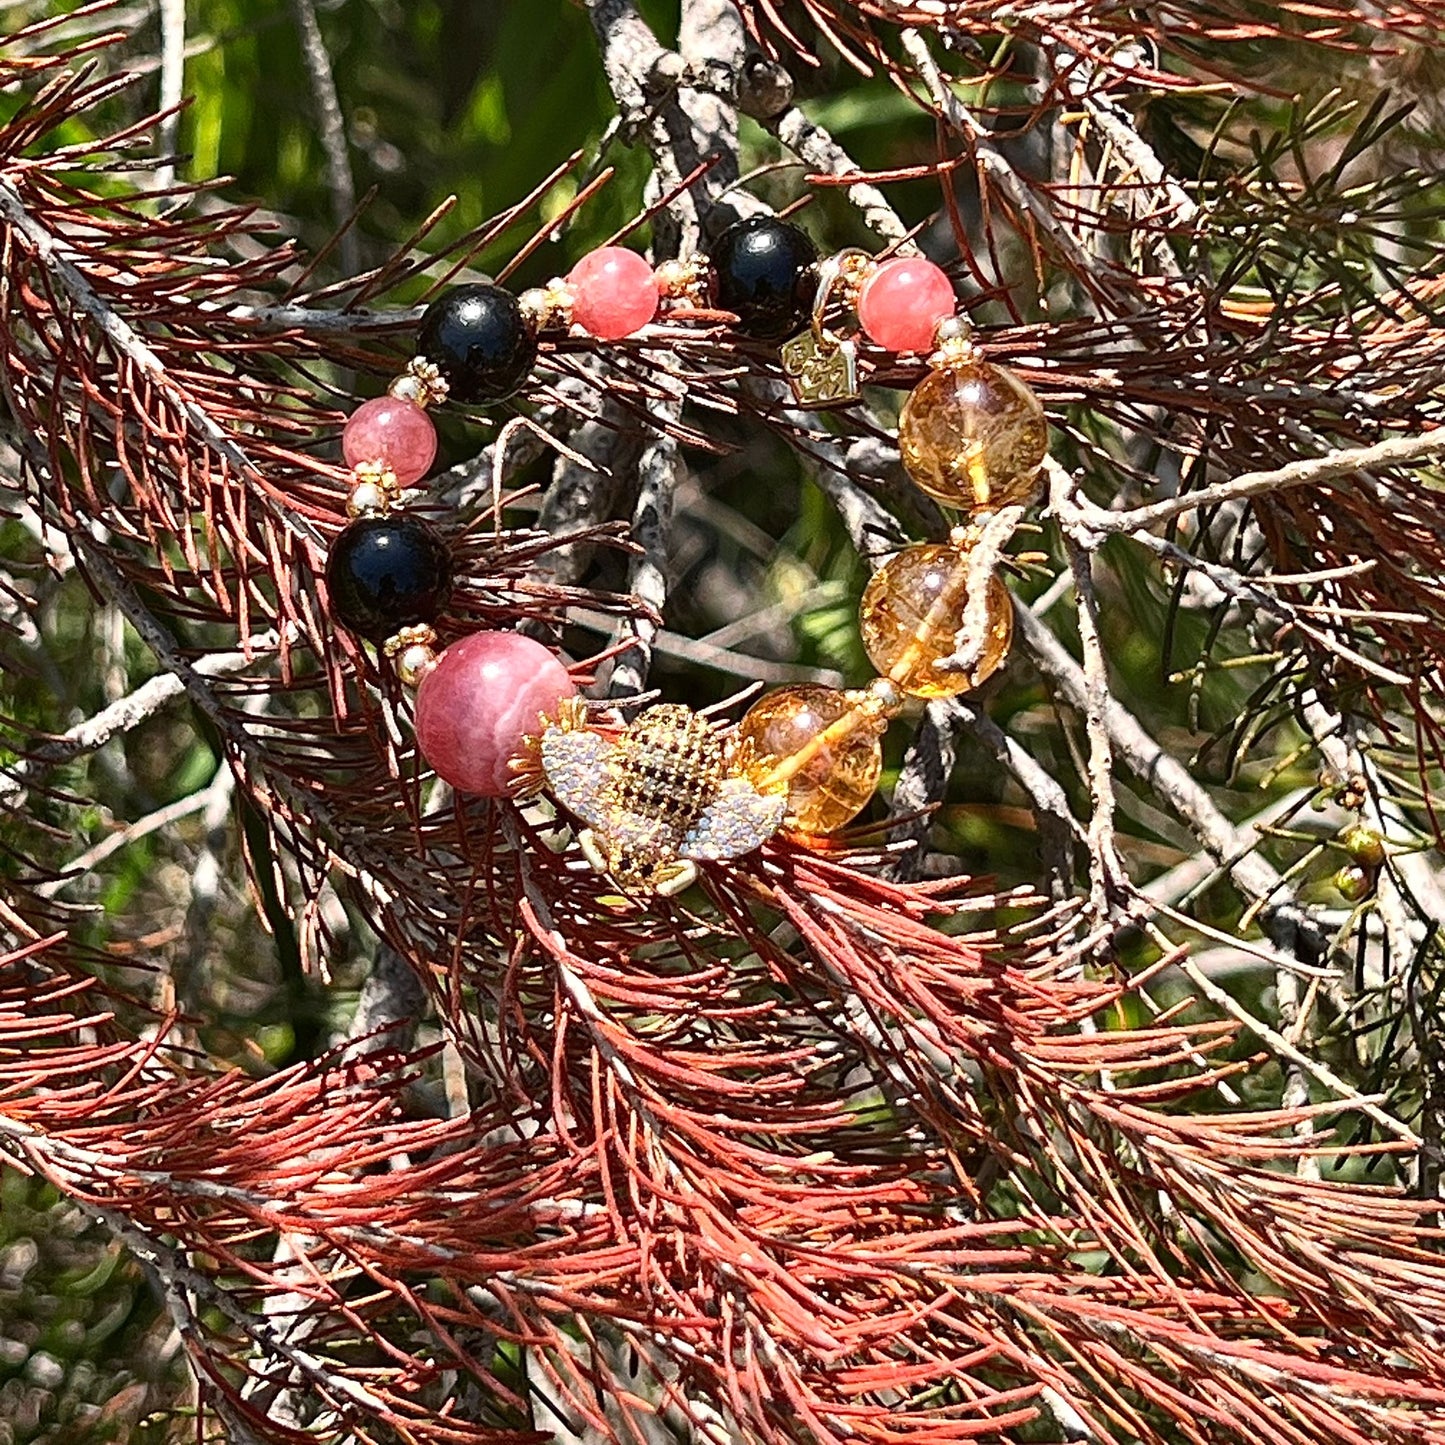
(331, 124)
(121, 716)
(1418, 450)
(657, 478)
(172, 86)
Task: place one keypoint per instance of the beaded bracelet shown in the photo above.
(497, 714)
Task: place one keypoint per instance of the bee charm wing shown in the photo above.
(574, 763)
(737, 820)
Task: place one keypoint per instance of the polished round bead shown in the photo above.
(974, 436)
(614, 293)
(385, 573)
(762, 274)
(902, 302)
(392, 433)
(478, 702)
(910, 615)
(820, 747)
(479, 340)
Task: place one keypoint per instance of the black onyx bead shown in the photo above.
(762, 273)
(386, 573)
(477, 337)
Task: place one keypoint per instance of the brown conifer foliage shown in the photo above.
(845, 1145)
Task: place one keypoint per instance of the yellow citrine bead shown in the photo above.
(819, 746)
(974, 436)
(910, 617)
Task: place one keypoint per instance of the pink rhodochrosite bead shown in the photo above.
(902, 301)
(485, 694)
(395, 432)
(614, 293)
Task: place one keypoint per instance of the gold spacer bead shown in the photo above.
(413, 652)
(549, 307)
(417, 633)
(421, 383)
(414, 663)
(954, 344)
(685, 279)
(366, 500)
(854, 268)
(873, 710)
(374, 490)
(407, 387)
(886, 695)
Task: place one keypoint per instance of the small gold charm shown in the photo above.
(821, 368)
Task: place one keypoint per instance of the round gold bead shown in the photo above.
(886, 695)
(414, 662)
(412, 652)
(953, 331)
(974, 436)
(818, 746)
(673, 278)
(407, 387)
(854, 268)
(911, 614)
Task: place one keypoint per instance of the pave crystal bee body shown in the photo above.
(662, 797)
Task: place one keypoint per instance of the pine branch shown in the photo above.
(817, 1151)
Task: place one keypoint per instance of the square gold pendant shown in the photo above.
(822, 370)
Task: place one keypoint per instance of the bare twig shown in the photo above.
(173, 61)
(121, 716)
(813, 145)
(657, 475)
(1104, 866)
(1308, 471)
(332, 127)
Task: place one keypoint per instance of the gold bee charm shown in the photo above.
(664, 796)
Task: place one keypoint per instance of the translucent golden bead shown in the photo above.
(910, 616)
(821, 747)
(974, 436)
